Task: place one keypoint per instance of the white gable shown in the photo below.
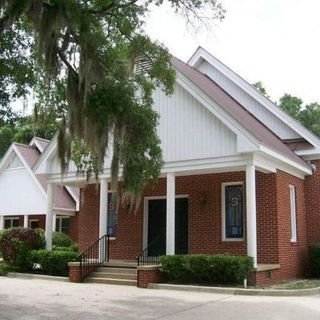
(252, 105)
(14, 163)
(19, 192)
(188, 130)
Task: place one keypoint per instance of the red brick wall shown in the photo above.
(292, 256)
(74, 227)
(267, 228)
(148, 275)
(312, 197)
(273, 219)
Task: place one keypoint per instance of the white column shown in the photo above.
(103, 207)
(1, 222)
(171, 198)
(54, 222)
(25, 221)
(49, 216)
(251, 213)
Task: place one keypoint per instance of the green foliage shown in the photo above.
(16, 244)
(61, 239)
(53, 263)
(218, 268)
(96, 45)
(291, 104)
(4, 268)
(73, 248)
(260, 87)
(310, 117)
(314, 256)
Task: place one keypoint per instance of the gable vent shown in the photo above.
(143, 65)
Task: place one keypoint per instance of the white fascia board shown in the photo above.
(40, 166)
(36, 142)
(286, 164)
(313, 154)
(248, 142)
(6, 158)
(75, 197)
(64, 212)
(201, 53)
(31, 173)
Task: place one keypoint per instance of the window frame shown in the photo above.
(11, 223)
(33, 220)
(60, 218)
(293, 213)
(223, 211)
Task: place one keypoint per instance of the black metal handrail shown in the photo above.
(94, 256)
(144, 259)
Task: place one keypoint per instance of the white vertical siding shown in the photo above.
(19, 193)
(188, 130)
(259, 111)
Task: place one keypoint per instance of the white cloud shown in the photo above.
(275, 41)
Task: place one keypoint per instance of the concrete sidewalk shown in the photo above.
(42, 299)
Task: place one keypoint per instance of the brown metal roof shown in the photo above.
(43, 142)
(236, 110)
(62, 198)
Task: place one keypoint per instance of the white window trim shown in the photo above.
(293, 213)
(60, 224)
(32, 220)
(11, 219)
(223, 211)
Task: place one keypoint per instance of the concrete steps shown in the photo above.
(113, 273)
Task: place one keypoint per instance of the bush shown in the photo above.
(72, 248)
(54, 263)
(4, 268)
(16, 244)
(60, 239)
(219, 268)
(314, 256)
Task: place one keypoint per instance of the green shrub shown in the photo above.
(72, 248)
(53, 263)
(61, 239)
(218, 268)
(4, 268)
(314, 256)
(16, 244)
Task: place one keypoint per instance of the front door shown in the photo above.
(157, 226)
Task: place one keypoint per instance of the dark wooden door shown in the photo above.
(157, 226)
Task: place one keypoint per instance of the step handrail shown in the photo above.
(94, 256)
(144, 259)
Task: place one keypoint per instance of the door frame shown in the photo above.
(146, 214)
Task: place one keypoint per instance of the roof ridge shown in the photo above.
(22, 145)
(43, 139)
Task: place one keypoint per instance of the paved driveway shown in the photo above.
(41, 299)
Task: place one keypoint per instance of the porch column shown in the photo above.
(49, 216)
(1, 222)
(25, 221)
(171, 198)
(54, 222)
(103, 207)
(251, 213)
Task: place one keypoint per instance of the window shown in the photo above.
(11, 223)
(232, 211)
(293, 214)
(14, 163)
(34, 224)
(63, 224)
(112, 214)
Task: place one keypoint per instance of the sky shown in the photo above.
(273, 41)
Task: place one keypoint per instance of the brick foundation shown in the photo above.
(148, 274)
(74, 272)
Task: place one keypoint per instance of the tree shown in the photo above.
(260, 87)
(310, 117)
(96, 45)
(16, 75)
(291, 104)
